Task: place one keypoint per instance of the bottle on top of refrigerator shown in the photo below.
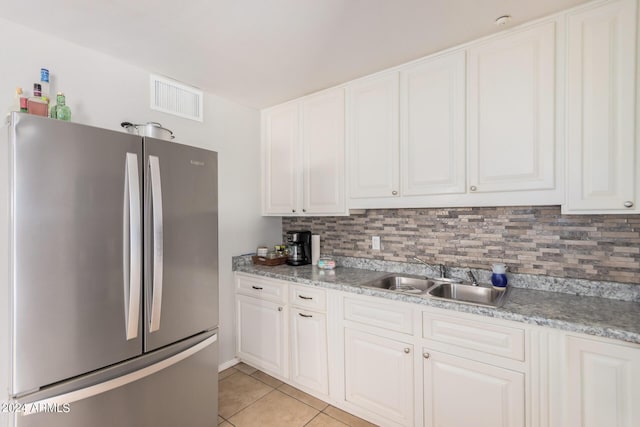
(15, 105)
(35, 104)
(44, 84)
(63, 112)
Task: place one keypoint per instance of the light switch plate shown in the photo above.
(375, 243)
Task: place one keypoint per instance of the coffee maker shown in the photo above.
(299, 246)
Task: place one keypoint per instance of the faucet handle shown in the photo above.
(443, 270)
(472, 276)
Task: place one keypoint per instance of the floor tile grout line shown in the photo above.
(245, 407)
(252, 403)
(334, 418)
(293, 397)
(316, 416)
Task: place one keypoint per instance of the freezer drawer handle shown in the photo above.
(94, 390)
(132, 246)
(156, 205)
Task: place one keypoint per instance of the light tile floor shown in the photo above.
(251, 398)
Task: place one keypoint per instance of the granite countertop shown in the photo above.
(591, 315)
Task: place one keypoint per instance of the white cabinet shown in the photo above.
(308, 343)
(261, 340)
(280, 140)
(379, 375)
(433, 126)
(511, 132)
(603, 384)
(303, 155)
(373, 137)
(323, 148)
(602, 146)
(459, 393)
(309, 350)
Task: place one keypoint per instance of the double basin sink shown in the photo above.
(441, 288)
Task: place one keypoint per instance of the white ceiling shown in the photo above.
(262, 52)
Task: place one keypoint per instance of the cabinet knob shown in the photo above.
(407, 350)
(394, 192)
(293, 210)
(628, 204)
(426, 355)
(304, 210)
(279, 308)
(473, 188)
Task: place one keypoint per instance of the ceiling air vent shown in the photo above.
(170, 96)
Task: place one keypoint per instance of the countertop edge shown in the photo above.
(497, 313)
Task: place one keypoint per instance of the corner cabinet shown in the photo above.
(603, 157)
(303, 156)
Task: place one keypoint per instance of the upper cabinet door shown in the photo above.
(433, 126)
(280, 142)
(323, 147)
(511, 112)
(373, 137)
(601, 109)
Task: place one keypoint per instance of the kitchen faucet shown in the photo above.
(443, 268)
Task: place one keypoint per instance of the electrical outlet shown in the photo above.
(375, 243)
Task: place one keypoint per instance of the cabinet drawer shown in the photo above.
(307, 297)
(486, 337)
(383, 315)
(261, 288)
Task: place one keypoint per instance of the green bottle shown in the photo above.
(63, 112)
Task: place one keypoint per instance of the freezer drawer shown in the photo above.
(182, 394)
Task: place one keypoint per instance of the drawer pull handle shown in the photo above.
(304, 315)
(303, 297)
(257, 288)
(426, 355)
(407, 350)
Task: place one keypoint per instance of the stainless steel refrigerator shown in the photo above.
(113, 278)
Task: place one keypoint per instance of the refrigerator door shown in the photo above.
(76, 249)
(180, 389)
(181, 241)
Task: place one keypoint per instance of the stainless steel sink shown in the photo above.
(402, 283)
(479, 295)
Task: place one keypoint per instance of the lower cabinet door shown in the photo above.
(603, 384)
(309, 350)
(261, 334)
(461, 393)
(379, 375)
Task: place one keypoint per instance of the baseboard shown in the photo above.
(228, 364)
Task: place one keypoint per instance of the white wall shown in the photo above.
(103, 91)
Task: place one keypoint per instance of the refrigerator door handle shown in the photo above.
(94, 390)
(156, 206)
(132, 246)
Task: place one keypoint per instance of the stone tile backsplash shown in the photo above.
(531, 240)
